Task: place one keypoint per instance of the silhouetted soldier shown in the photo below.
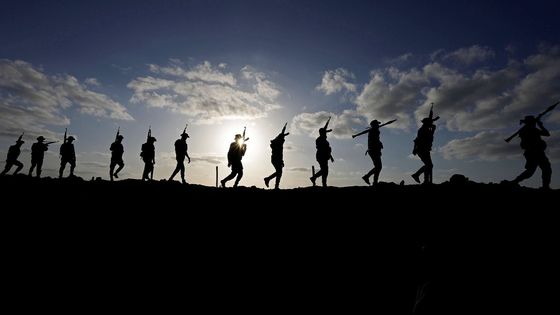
(323, 155)
(423, 146)
(38, 154)
(13, 154)
(277, 158)
(534, 148)
(374, 149)
(181, 149)
(117, 151)
(236, 152)
(67, 155)
(148, 155)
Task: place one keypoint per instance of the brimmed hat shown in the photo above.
(40, 138)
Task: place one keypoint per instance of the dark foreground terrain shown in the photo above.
(470, 248)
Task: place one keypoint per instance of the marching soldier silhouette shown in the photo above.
(277, 158)
(534, 147)
(38, 154)
(236, 152)
(67, 155)
(181, 149)
(148, 155)
(117, 151)
(423, 146)
(13, 154)
(323, 155)
(374, 149)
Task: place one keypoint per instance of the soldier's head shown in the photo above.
(323, 131)
(40, 138)
(427, 121)
(152, 139)
(238, 136)
(19, 142)
(529, 120)
(119, 138)
(70, 139)
(184, 136)
(374, 123)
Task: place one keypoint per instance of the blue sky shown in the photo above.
(221, 65)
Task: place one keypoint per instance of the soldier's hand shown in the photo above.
(189, 160)
(332, 159)
(229, 164)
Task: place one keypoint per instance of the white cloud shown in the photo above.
(309, 123)
(33, 100)
(92, 82)
(337, 80)
(206, 93)
(470, 55)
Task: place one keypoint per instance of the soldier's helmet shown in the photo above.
(323, 131)
(374, 123)
(120, 137)
(40, 138)
(185, 135)
(529, 120)
(71, 138)
(19, 141)
(426, 120)
(152, 139)
(238, 136)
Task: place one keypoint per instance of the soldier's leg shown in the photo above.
(61, 169)
(33, 163)
(372, 171)
(324, 172)
(121, 165)
(111, 168)
(19, 166)
(175, 171)
(239, 176)
(377, 168)
(39, 168)
(546, 170)
(7, 168)
(72, 167)
(428, 166)
(182, 169)
(278, 174)
(530, 168)
(146, 172)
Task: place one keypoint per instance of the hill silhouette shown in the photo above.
(468, 246)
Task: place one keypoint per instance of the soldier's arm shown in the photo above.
(543, 130)
(188, 157)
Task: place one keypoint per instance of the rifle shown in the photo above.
(432, 114)
(539, 116)
(118, 133)
(185, 130)
(367, 130)
(65, 132)
(149, 133)
(50, 142)
(327, 125)
(244, 130)
(284, 133)
(20, 137)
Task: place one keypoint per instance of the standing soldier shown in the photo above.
(323, 154)
(148, 155)
(38, 154)
(374, 149)
(534, 147)
(236, 152)
(117, 151)
(13, 154)
(277, 158)
(181, 149)
(423, 146)
(67, 155)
